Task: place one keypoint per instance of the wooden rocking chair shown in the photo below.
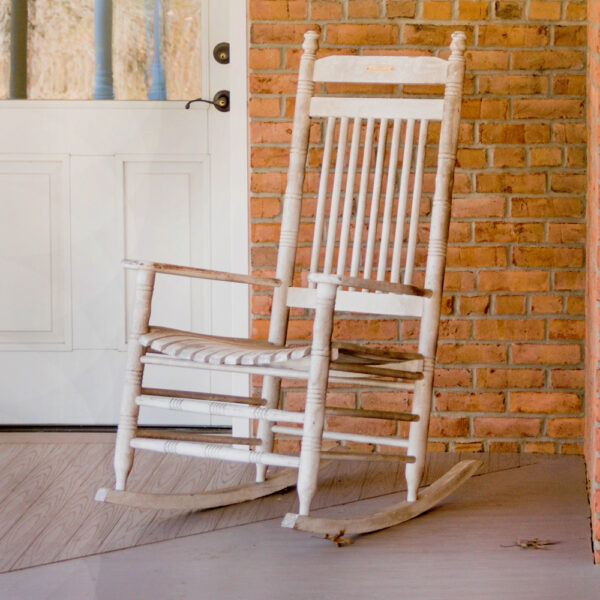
(362, 260)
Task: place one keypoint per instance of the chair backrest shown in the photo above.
(376, 165)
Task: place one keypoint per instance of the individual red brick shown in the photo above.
(545, 156)
(558, 354)
(513, 35)
(569, 85)
(485, 60)
(576, 156)
(473, 10)
(567, 427)
(272, 83)
(506, 426)
(400, 8)
(470, 158)
(570, 133)
(437, 9)
(437, 447)
(478, 305)
(476, 256)
(573, 449)
(459, 281)
(548, 59)
(513, 281)
(548, 257)
(544, 402)
(474, 401)
(569, 280)
(509, 157)
(568, 182)
(514, 133)
(546, 304)
(513, 84)
(511, 183)
(547, 108)
(510, 305)
(362, 34)
(452, 378)
(508, 9)
(570, 35)
(363, 9)
(510, 378)
(567, 378)
(576, 11)
(546, 207)
(471, 353)
(277, 33)
(509, 329)
(540, 447)
(264, 58)
(575, 305)
(277, 10)
(566, 329)
(264, 107)
(494, 206)
(433, 35)
(325, 10)
(448, 426)
(544, 10)
(495, 231)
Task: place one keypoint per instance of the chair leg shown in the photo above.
(314, 412)
(133, 378)
(417, 437)
(270, 392)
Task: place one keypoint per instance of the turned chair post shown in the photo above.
(292, 202)
(133, 377)
(436, 260)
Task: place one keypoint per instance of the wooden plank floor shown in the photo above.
(464, 549)
(48, 481)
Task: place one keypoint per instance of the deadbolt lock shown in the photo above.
(221, 53)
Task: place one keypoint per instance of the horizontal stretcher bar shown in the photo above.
(215, 451)
(340, 436)
(221, 409)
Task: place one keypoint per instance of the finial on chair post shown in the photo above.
(459, 42)
(310, 43)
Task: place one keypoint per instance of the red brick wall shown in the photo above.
(510, 372)
(593, 280)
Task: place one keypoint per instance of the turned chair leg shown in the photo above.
(133, 378)
(270, 393)
(314, 412)
(417, 437)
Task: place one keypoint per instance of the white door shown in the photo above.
(84, 184)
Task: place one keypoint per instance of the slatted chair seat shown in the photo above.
(378, 247)
(216, 350)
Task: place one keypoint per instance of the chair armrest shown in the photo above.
(369, 284)
(200, 273)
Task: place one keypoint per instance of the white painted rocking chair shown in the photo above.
(355, 236)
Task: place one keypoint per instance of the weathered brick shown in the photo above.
(362, 34)
(513, 35)
(437, 9)
(400, 8)
(474, 401)
(567, 427)
(546, 108)
(280, 10)
(548, 257)
(325, 10)
(473, 10)
(566, 329)
(544, 10)
(567, 378)
(448, 426)
(510, 378)
(506, 426)
(544, 402)
(547, 207)
(510, 305)
(509, 329)
(558, 354)
(363, 9)
(514, 281)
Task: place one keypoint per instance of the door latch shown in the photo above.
(220, 101)
(221, 53)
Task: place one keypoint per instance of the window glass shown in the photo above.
(60, 49)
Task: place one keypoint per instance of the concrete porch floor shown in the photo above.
(457, 550)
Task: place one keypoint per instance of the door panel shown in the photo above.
(84, 184)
